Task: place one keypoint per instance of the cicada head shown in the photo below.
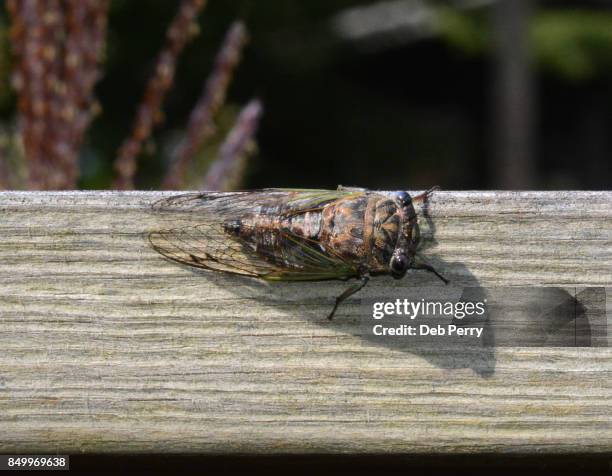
(402, 258)
(395, 234)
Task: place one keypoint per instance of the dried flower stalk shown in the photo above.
(180, 31)
(201, 126)
(57, 44)
(226, 172)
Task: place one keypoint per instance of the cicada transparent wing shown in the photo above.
(242, 233)
(203, 246)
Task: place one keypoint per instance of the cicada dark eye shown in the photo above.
(399, 265)
(404, 198)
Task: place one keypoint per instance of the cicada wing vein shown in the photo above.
(193, 247)
(198, 237)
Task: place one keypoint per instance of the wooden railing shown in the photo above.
(107, 347)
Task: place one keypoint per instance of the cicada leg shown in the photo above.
(348, 293)
(431, 269)
(422, 197)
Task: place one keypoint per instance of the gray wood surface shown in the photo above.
(107, 347)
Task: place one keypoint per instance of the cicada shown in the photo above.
(294, 234)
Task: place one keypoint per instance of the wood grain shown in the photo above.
(107, 347)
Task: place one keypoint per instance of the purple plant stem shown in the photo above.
(149, 112)
(227, 170)
(57, 44)
(86, 22)
(201, 127)
(27, 38)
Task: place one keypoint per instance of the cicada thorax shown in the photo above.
(342, 231)
(364, 230)
(384, 223)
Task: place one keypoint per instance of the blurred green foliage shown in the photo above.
(468, 31)
(575, 44)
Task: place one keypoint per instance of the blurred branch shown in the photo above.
(57, 44)
(201, 126)
(5, 178)
(513, 166)
(179, 32)
(226, 172)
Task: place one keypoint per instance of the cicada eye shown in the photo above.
(399, 265)
(404, 198)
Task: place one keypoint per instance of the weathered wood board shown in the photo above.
(107, 347)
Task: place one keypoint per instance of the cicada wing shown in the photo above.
(237, 204)
(304, 262)
(220, 204)
(195, 235)
(206, 246)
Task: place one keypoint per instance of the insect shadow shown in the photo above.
(472, 344)
(475, 352)
(515, 317)
(312, 301)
